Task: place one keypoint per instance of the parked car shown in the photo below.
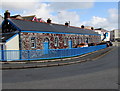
(82, 45)
(91, 44)
(108, 43)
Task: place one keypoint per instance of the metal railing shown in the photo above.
(15, 55)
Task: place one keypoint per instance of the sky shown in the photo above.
(94, 13)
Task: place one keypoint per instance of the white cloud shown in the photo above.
(71, 5)
(113, 15)
(65, 16)
(18, 4)
(109, 23)
(32, 4)
(44, 10)
(96, 21)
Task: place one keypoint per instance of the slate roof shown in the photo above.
(45, 27)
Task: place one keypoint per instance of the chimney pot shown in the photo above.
(6, 14)
(49, 20)
(92, 28)
(66, 23)
(82, 26)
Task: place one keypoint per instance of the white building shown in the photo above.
(115, 35)
(105, 35)
(1, 20)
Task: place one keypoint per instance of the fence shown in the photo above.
(13, 55)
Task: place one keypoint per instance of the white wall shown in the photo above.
(1, 19)
(117, 33)
(12, 44)
(102, 35)
(108, 37)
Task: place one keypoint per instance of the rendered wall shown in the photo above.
(12, 44)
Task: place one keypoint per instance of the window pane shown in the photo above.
(33, 42)
(56, 41)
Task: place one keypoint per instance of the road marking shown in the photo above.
(103, 54)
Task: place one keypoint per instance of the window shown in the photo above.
(79, 40)
(33, 42)
(86, 40)
(56, 41)
(65, 41)
(75, 40)
(46, 40)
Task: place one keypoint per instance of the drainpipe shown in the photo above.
(3, 52)
(20, 46)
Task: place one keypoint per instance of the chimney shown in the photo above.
(49, 20)
(82, 26)
(92, 28)
(6, 14)
(66, 23)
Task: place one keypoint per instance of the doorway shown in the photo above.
(70, 43)
(46, 46)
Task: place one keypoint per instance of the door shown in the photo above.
(46, 47)
(70, 43)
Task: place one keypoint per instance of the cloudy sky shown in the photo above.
(79, 12)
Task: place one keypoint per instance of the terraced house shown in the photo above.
(29, 33)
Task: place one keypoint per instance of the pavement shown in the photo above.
(55, 62)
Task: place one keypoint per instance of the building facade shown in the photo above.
(115, 35)
(1, 20)
(105, 35)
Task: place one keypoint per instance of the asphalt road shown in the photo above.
(101, 73)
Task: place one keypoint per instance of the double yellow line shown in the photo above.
(103, 54)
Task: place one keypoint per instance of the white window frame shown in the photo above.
(65, 41)
(56, 43)
(33, 41)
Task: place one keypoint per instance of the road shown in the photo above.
(101, 73)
